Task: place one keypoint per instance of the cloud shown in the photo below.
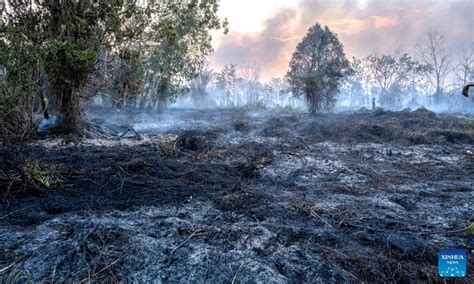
(266, 48)
(363, 26)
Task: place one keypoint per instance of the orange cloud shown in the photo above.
(285, 39)
(362, 25)
(347, 25)
(351, 25)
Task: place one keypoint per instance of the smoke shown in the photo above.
(363, 26)
(266, 49)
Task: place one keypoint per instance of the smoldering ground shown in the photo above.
(235, 196)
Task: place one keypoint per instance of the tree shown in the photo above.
(128, 79)
(431, 51)
(180, 42)
(353, 84)
(465, 66)
(390, 73)
(67, 35)
(276, 89)
(22, 73)
(250, 75)
(318, 67)
(226, 80)
(199, 86)
(417, 75)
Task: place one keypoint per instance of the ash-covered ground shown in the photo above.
(234, 196)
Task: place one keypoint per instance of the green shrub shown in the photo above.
(35, 174)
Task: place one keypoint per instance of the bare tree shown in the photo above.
(389, 73)
(465, 66)
(352, 90)
(276, 90)
(431, 51)
(251, 74)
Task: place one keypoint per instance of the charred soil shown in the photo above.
(234, 196)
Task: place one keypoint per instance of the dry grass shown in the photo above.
(168, 145)
(17, 124)
(17, 121)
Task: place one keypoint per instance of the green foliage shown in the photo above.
(57, 43)
(180, 44)
(21, 72)
(35, 174)
(470, 228)
(318, 67)
(417, 138)
(129, 77)
(59, 40)
(470, 225)
(63, 56)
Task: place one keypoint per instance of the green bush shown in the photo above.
(34, 174)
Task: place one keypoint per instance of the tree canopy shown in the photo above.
(55, 44)
(318, 67)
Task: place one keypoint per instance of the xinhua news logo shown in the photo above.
(452, 263)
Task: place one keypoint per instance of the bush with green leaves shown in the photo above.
(64, 38)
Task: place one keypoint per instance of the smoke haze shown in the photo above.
(363, 26)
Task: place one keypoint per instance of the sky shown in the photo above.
(265, 33)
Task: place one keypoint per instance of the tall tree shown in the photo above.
(250, 75)
(465, 66)
(199, 86)
(21, 73)
(431, 51)
(128, 79)
(390, 73)
(180, 41)
(226, 81)
(318, 67)
(353, 84)
(276, 89)
(417, 74)
(67, 36)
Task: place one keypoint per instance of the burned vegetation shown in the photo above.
(235, 196)
(125, 157)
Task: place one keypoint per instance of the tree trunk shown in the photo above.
(69, 110)
(437, 97)
(44, 106)
(150, 105)
(142, 101)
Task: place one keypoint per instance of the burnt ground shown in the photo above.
(235, 196)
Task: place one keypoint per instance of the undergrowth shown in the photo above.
(27, 176)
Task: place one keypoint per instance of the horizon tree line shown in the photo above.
(426, 76)
(58, 55)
